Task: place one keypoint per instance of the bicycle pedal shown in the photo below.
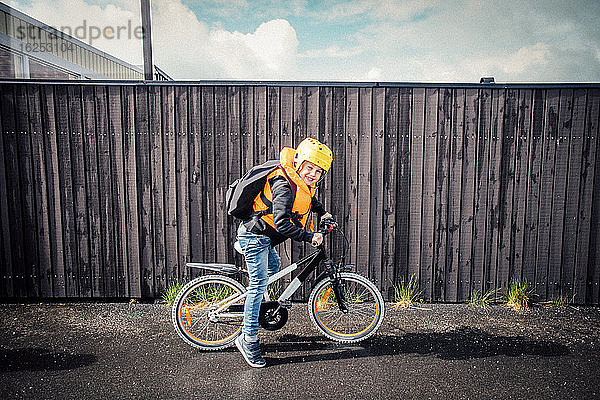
(286, 304)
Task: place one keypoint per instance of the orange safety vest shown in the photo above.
(304, 193)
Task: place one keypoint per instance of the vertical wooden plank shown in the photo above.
(197, 206)
(105, 174)
(144, 193)
(571, 224)
(221, 178)
(561, 162)
(30, 271)
(82, 254)
(495, 179)
(337, 177)
(66, 190)
(523, 138)
(273, 126)
(442, 174)
(260, 124)
(286, 139)
(298, 134)
(481, 190)
(40, 188)
(55, 226)
(170, 183)
(506, 244)
(287, 117)
(234, 161)
(530, 266)
(351, 160)
(5, 245)
(456, 160)
(120, 166)
(326, 136)
(247, 142)
(182, 167)
(429, 181)
(312, 107)
(312, 130)
(13, 223)
(376, 203)
(416, 184)
(390, 190)
(546, 192)
(588, 258)
(363, 234)
(208, 175)
(155, 127)
(469, 154)
(92, 189)
(403, 206)
(272, 146)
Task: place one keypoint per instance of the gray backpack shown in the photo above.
(241, 193)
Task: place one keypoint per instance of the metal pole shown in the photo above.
(147, 40)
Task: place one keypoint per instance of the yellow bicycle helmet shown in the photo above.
(314, 151)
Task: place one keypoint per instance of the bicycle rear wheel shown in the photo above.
(365, 309)
(192, 307)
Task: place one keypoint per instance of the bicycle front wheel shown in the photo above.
(365, 309)
(193, 317)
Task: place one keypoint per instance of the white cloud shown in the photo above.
(391, 40)
(183, 46)
(268, 53)
(526, 57)
(332, 52)
(84, 21)
(398, 10)
(401, 10)
(346, 10)
(375, 74)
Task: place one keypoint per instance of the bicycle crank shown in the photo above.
(272, 315)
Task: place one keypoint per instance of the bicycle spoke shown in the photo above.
(363, 313)
(194, 322)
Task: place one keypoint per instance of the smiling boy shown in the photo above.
(281, 212)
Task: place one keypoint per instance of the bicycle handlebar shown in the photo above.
(327, 225)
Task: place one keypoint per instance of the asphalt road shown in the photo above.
(114, 351)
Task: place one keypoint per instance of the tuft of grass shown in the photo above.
(171, 291)
(274, 290)
(407, 293)
(326, 299)
(519, 295)
(482, 300)
(562, 301)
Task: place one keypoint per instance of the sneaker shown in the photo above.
(250, 351)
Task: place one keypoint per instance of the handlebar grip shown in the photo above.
(326, 226)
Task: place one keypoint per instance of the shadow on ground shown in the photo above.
(38, 359)
(460, 344)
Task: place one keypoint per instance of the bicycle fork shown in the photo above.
(336, 284)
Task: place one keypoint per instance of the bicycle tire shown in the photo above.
(192, 305)
(366, 309)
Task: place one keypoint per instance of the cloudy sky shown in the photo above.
(358, 40)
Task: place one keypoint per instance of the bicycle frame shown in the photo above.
(310, 262)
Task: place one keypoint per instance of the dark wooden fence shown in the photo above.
(108, 188)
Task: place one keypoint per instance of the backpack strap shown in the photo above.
(296, 217)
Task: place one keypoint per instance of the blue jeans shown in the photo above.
(262, 261)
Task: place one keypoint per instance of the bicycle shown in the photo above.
(208, 312)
